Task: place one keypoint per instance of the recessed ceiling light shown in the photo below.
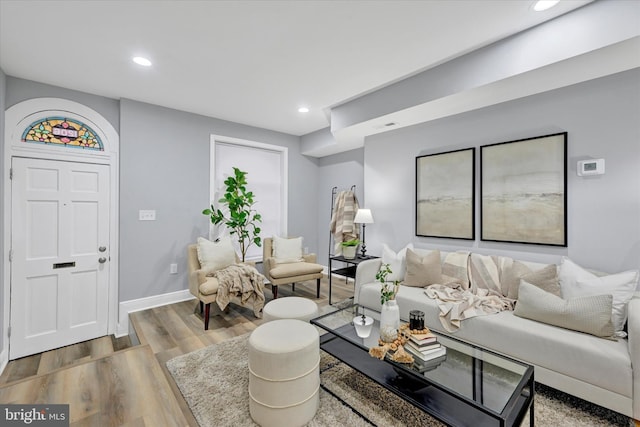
(303, 110)
(142, 61)
(544, 5)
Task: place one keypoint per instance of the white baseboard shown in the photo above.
(4, 360)
(134, 305)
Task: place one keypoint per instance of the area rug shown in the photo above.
(214, 382)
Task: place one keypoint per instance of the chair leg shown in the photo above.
(207, 309)
(318, 288)
(293, 287)
(274, 291)
(201, 307)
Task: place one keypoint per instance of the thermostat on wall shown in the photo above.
(591, 167)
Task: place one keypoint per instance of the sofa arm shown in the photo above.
(365, 273)
(633, 331)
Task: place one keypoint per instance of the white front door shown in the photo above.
(60, 254)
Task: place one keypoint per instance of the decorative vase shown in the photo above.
(389, 321)
(363, 325)
(349, 252)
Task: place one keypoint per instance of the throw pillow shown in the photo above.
(575, 281)
(484, 274)
(214, 256)
(287, 250)
(454, 269)
(423, 271)
(588, 314)
(545, 278)
(397, 261)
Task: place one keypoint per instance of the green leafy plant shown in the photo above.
(389, 289)
(242, 219)
(354, 242)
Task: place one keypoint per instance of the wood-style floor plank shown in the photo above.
(110, 382)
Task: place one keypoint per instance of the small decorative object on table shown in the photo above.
(349, 248)
(390, 313)
(363, 325)
(416, 319)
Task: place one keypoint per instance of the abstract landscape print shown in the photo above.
(524, 192)
(445, 203)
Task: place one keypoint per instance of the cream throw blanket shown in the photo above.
(342, 226)
(456, 301)
(243, 281)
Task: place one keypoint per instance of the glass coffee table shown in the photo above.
(470, 386)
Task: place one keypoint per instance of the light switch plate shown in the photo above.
(148, 215)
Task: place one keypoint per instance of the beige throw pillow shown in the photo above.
(423, 271)
(590, 314)
(287, 250)
(214, 256)
(546, 278)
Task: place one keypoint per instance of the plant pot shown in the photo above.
(363, 325)
(349, 252)
(389, 321)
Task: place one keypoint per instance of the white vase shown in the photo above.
(389, 321)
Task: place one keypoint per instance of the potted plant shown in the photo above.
(349, 248)
(241, 218)
(390, 312)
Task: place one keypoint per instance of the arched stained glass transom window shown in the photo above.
(62, 131)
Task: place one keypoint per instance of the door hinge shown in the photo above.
(9, 331)
(10, 173)
(11, 255)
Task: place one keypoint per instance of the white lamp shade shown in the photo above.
(363, 216)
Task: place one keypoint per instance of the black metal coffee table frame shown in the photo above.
(438, 400)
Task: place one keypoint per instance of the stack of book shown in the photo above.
(427, 352)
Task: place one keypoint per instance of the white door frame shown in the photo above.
(17, 118)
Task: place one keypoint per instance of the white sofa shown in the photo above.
(595, 369)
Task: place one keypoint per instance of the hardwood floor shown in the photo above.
(120, 382)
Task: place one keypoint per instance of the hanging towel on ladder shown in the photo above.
(342, 226)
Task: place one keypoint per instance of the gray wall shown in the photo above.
(340, 170)
(3, 91)
(601, 118)
(165, 166)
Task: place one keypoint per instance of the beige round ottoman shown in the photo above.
(290, 308)
(284, 374)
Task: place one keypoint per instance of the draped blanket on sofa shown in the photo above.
(479, 296)
(243, 281)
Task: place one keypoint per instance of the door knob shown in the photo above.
(102, 260)
(102, 248)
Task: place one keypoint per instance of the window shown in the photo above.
(266, 167)
(64, 132)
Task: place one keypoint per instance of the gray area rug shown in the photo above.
(214, 382)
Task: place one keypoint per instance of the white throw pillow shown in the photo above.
(397, 261)
(216, 255)
(287, 250)
(575, 282)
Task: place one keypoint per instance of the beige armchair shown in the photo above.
(290, 272)
(204, 287)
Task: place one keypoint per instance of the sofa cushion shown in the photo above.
(397, 261)
(216, 255)
(545, 278)
(576, 281)
(423, 270)
(287, 250)
(294, 269)
(589, 314)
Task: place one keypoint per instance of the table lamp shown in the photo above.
(364, 217)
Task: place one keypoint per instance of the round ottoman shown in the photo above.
(284, 373)
(290, 308)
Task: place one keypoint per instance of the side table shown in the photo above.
(349, 272)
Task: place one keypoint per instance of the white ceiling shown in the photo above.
(251, 62)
